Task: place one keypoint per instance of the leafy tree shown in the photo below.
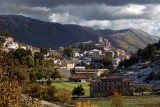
(39, 75)
(21, 53)
(69, 51)
(30, 61)
(79, 90)
(107, 61)
(140, 90)
(57, 55)
(21, 73)
(38, 58)
(33, 77)
(152, 76)
(10, 93)
(56, 74)
(49, 81)
(23, 61)
(128, 62)
(36, 62)
(5, 33)
(42, 92)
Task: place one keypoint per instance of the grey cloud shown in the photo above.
(53, 3)
(103, 11)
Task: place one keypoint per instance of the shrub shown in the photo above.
(63, 96)
(84, 104)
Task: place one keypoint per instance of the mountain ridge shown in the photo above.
(47, 34)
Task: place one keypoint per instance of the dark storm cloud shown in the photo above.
(53, 3)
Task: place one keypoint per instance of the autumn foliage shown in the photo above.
(63, 96)
(84, 104)
(42, 92)
(116, 98)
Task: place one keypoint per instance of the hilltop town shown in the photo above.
(95, 63)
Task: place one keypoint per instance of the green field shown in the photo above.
(70, 85)
(131, 101)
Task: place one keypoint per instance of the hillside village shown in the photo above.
(93, 62)
(84, 54)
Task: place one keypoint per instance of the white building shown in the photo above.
(76, 54)
(13, 45)
(115, 62)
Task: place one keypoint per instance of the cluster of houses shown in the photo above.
(8, 44)
(88, 52)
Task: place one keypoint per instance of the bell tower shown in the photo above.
(100, 38)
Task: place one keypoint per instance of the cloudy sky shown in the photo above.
(98, 14)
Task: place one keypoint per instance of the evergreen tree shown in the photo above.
(79, 90)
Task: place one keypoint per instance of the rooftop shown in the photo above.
(79, 77)
(114, 78)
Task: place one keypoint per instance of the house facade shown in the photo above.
(89, 72)
(102, 87)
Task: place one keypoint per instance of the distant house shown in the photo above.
(115, 62)
(29, 47)
(61, 48)
(13, 45)
(79, 78)
(34, 50)
(79, 67)
(70, 65)
(76, 54)
(87, 60)
(23, 47)
(103, 86)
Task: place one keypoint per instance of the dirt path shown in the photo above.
(48, 104)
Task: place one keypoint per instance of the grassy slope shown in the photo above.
(128, 42)
(132, 101)
(70, 85)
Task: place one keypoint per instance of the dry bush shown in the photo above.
(63, 96)
(84, 104)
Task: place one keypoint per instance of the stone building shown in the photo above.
(103, 86)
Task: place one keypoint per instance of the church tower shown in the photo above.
(100, 39)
